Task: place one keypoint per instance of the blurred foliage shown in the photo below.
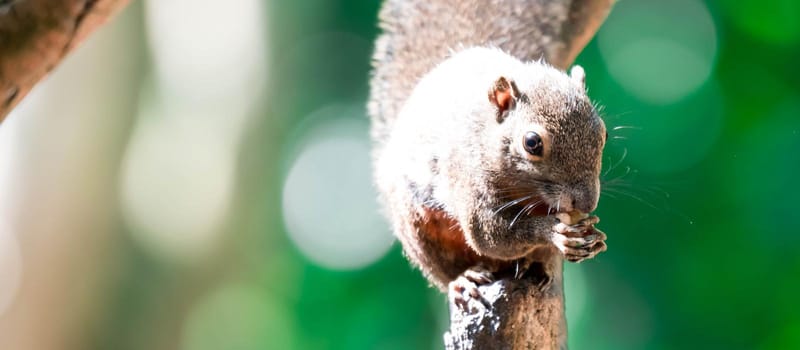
(696, 190)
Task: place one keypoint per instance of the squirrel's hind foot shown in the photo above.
(465, 287)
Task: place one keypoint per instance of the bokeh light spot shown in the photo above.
(329, 204)
(657, 84)
(178, 172)
(237, 317)
(177, 182)
(659, 51)
(208, 53)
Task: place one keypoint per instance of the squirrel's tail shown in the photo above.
(418, 34)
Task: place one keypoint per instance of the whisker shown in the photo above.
(618, 178)
(532, 206)
(517, 217)
(652, 190)
(511, 203)
(526, 209)
(616, 115)
(635, 197)
(619, 162)
(664, 208)
(604, 193)
(558, 203)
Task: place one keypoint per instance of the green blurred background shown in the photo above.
(196, 176)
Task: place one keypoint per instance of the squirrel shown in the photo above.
(485, 156)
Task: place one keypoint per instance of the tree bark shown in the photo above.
(516, 313)
(35, 35)
(528, 312)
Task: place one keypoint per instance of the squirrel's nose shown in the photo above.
(583, 205)
(585, 197)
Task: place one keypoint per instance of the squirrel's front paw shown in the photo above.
(580, 241)
(465, 287)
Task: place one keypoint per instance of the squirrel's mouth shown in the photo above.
(538, 206)
(543, 210)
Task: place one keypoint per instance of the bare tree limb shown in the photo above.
(528, 313)
(35, 35)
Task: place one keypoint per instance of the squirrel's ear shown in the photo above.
(578, 75)
(503, 95)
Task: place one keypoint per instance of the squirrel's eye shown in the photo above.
(533, 144)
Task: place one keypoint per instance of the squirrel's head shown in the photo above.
(552, 141)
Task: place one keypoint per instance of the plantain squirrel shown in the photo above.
(484, 154)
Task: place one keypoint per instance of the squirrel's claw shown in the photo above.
(465, 287)
(580, 241)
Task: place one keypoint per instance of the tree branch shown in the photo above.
(35, 35)
(522, 313)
